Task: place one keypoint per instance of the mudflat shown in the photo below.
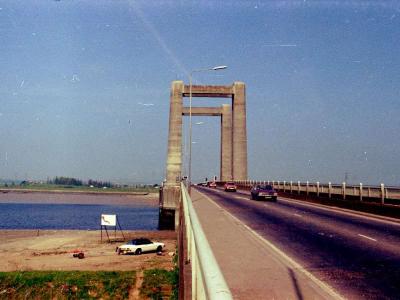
(79, 198)
(24, 250)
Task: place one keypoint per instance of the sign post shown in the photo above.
(109, 221)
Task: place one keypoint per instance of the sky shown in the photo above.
(84, 87)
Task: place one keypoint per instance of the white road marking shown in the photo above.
(363, 215)
(291, 262)
(367, 237)
(297, 215)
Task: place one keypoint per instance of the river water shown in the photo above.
(23, 214)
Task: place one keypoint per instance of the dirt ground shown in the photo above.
(24, 250)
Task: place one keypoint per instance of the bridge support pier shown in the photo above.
(170, 197)
(226, 143)
(239, 136)
(171, 191)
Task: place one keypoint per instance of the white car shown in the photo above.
(138, 246)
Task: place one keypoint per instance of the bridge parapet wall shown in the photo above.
(207, 281)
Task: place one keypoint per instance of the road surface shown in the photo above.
(359, 256)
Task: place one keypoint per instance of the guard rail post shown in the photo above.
(291, 186)
(361, 192)
(317, 188)
(307, 187)
(382, 194)
(330, 190)
(298, 187)
(344, 190)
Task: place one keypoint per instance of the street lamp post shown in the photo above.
(190, 117)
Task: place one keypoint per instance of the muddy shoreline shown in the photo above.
(150, 199)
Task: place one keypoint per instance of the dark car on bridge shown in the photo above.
(263, 191)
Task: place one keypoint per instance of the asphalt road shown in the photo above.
(358, 256)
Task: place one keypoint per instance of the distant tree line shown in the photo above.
(65, 181)
(77, 182)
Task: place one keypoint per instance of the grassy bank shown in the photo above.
(160, 284)
(66, 285)
(157, 284)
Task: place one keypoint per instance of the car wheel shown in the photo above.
(251, 196)
(159, 249)
(274, 199)
(138, 251)
(81, 255)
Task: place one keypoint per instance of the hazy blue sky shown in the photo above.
(84, 86)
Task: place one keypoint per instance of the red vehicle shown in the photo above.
(212, 184)
(230, 187)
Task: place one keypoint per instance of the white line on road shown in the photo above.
(344, 211)
(367, 237)
(297, 215)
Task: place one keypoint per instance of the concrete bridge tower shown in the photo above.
(233, 155)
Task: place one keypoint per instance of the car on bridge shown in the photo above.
(230, 186)
(212, 184)
(264, 191)
(140, 245)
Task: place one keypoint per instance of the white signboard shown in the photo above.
(108, 220)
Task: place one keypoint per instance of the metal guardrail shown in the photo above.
(207, 279)
(382, 192)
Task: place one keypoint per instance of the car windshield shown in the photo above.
(266, 187)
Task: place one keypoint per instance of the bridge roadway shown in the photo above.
(296, 250)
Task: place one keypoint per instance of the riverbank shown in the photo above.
(75, 191)
(27, 250)
(46, 256)
(62, 197)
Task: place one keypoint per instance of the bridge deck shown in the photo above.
(251, 267)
